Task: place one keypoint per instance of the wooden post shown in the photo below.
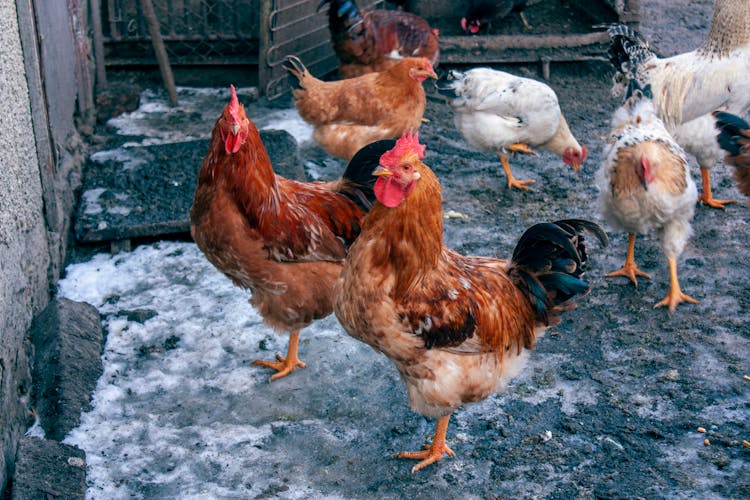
(161, 52)
(96, 26)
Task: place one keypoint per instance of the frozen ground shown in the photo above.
(608, 407)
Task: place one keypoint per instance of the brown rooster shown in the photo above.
(734, 138)
(283, 240)
(457, 328)
(369, 41)
(349, 114)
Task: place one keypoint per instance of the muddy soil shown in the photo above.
(611, 402)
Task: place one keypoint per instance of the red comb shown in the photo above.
(407, 143)
(234, 105)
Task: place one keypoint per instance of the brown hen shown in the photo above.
(349, 114)
(283, 240)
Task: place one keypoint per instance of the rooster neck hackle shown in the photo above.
(410, 236)
(730, 28)
(248, 171)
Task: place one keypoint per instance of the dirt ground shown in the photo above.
(611, 401)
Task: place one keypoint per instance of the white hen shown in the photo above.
(504, 113)
(645, 184)
(688, 87)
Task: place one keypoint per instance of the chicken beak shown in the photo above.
(381, 171)
(576, 166)
(235, 128)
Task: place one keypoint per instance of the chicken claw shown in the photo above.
(285, 365)
(707, 196)
(674, 295)
(434, 452)
(629, 269)
(522, 148)
(512, 181)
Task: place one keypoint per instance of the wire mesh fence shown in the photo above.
(201, 32)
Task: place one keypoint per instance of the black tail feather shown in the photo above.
(358, 174)
(627, 48)
(343, 15)
(732, 129)
(634, 87)
(548, 264)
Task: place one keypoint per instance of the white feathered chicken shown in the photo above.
(504, 114)
(645, 184)
(688, 87)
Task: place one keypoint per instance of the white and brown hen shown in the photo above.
(645, 184)
(688, 87)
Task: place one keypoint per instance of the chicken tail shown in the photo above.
(734, 138)
(627, 49)
(635, 89)
(734, 132)
(343, 18)
(297, 71)
(548, 264)
(357, 181)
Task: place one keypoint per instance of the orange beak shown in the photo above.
(381, 171)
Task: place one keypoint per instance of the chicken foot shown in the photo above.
(524, 21)
(674, 295)
(630, 269)
(285, 365)
(433, 452)
(512, 181)
(707, 196)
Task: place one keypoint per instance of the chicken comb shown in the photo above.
(407, 143)
(234, 105)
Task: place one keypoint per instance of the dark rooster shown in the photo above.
(734, 138)
(283, 240)
(375, 40)
(483, 12)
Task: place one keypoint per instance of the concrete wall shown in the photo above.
(40, 165)
(24, 251)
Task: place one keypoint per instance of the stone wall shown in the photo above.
(40, 171)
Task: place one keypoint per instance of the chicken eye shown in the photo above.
(407, 167)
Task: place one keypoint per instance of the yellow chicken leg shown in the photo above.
(285, 365)
(674, 295)
(434, 452)
(524, 21)
(707, 196)
(512, 182)
(630, 269)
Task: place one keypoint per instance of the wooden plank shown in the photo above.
(39, 118)
(522, 48)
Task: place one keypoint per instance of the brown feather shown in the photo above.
(349, 114)
(282, 239)
(431, 281)
(668, 169)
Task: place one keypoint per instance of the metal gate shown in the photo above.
(257, 33)
(295, 27)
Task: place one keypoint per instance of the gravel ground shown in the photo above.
(610, 403)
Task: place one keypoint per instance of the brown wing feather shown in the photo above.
(469, 303)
